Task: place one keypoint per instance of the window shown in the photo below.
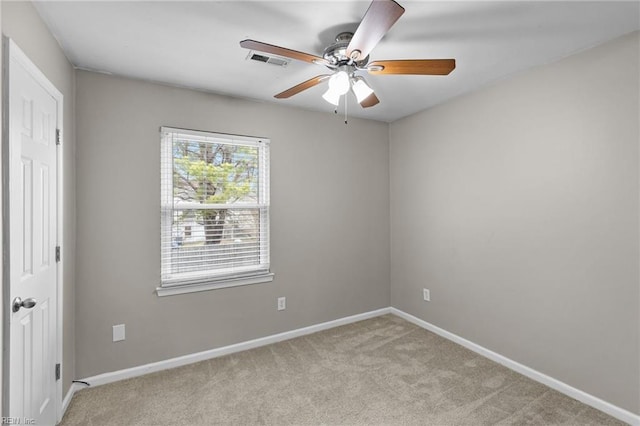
(215, 211)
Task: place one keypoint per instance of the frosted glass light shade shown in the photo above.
(332, 97)
(361, 90)
(339, 82)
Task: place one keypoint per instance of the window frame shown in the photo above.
(211, 280)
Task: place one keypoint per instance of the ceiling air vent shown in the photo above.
(273, 60)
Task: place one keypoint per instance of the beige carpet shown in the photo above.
(379, 371)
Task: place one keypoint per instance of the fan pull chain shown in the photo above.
(345, 108)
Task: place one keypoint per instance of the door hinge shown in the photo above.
(58, 141)
(57, 253)
(57, 371)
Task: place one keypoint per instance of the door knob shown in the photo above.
(26, 303)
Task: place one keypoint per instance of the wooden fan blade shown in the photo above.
(282, 51)
(413, 66)
(370, 101)
(378, 19)
(302, 86)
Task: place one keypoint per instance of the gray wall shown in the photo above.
(517, 206)
(21, 22)
(329, 223)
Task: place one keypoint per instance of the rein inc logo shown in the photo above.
(17, 421)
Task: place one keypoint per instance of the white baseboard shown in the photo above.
(102, 379)
(68, 397)
(595, 402)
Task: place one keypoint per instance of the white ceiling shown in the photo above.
(195, 44)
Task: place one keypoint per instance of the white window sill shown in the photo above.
(214, 285)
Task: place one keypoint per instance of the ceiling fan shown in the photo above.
(348, 57)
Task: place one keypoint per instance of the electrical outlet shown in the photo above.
(118, 332)
(426, 295)
(282, 303)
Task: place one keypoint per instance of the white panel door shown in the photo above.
(32, 240)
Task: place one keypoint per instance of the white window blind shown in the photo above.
(215, 207)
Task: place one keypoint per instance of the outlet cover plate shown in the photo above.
(282, 303)
(426, 295)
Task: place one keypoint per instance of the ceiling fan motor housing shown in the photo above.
(336, 53)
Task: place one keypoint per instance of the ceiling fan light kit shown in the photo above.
(348, 56)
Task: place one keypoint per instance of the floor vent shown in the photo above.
(273, 60)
